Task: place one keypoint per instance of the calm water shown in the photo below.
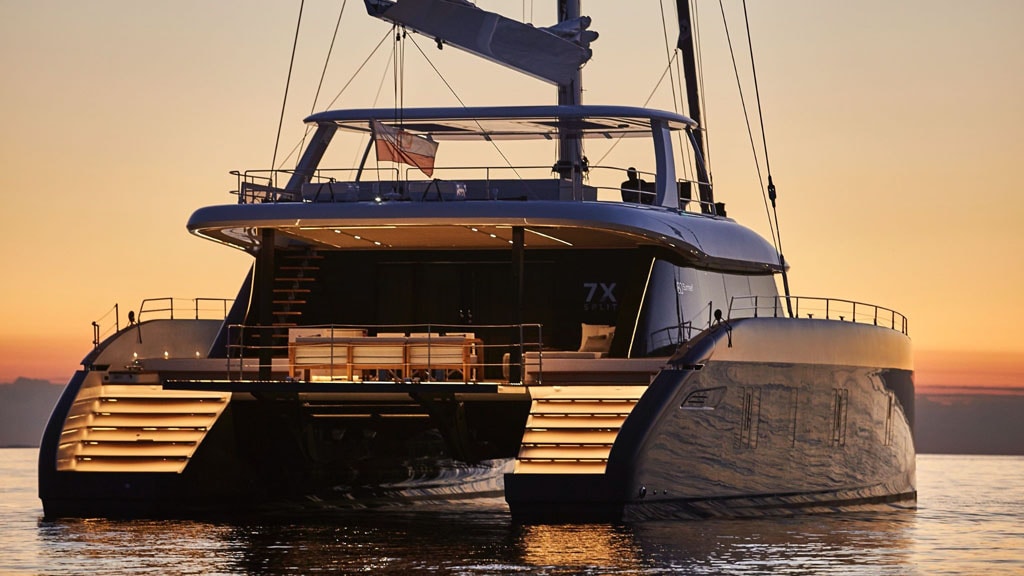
(970, 521)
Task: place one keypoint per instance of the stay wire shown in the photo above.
(698, 56)
(298, 145)
(676, 96)
(327, 60)
(287, 85)
(646, 102)
(760, 117)
(746, 118)
(777, 230)
(323, 74)
(463, 104)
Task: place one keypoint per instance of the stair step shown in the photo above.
(570, 435)
(115, 420)
(129, 464)
(560, 467)
(293, 290)
(130, 433)
(117, 449)
(288, 313)
(303, 267)
(574, 453)
(289, 301)
(294, 279)
(124, 404)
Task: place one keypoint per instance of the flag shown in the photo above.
(400, 146)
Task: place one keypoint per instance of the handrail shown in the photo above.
(246, 349)
(260, 186)
(97, 334)
(199, 311)
(826, 308)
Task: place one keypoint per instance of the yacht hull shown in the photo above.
(738, 438)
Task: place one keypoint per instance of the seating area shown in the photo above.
(329, 354)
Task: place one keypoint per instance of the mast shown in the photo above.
(570, 153)
(687, 49)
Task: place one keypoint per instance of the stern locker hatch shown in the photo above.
(138, 429)
(571, 429)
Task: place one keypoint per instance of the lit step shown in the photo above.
(569, 436)
(128, 464)
(144, 448)
(574, 421)
(565, 452)
(115, 420)
(559, 467)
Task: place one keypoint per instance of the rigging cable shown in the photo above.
(767, 164)
(298, 145)
(698, 57)
(646, 102)
(323, 74)
(287, 84)
(746, 118)
(676, 97)
(463, 104)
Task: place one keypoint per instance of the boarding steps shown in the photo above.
(294, 279)
(571, 429)
(137, 428)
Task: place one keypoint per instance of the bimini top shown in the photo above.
(510, 122)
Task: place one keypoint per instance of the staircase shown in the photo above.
(133, 428)
(571, 429)
(293, 282)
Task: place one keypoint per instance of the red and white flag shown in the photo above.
(400, 146)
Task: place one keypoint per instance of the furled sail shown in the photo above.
(551, 54)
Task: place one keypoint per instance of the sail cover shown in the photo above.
(551, 54)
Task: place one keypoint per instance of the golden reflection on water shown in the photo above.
(578, 546)
(969, 522)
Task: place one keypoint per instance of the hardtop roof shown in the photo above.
(509, 122)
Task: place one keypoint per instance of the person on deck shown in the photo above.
(633, 189)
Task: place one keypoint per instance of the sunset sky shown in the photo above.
(893, 130)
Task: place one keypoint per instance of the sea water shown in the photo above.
(970, 520)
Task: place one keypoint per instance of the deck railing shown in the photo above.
(160, 309)
(396, 353)
(816, 307)
(602, 183)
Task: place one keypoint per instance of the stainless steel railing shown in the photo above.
(817, 307)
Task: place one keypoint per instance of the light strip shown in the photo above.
(549, 237)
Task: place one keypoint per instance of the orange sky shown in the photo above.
(893, 130)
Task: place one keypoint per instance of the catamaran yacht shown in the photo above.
(424, 328)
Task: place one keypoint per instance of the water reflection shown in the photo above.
(575, 549)
(968, 522)
(478, 541)
(847, 544)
